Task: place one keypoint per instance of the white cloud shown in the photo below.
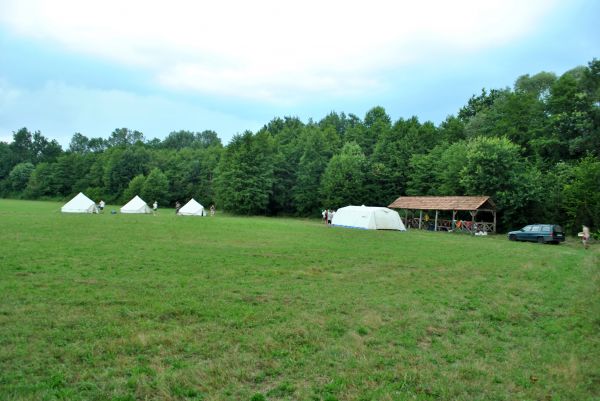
(272, 50)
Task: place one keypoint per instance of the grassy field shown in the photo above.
(126, 307)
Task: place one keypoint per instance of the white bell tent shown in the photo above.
(136, 205)
(192, 208)
(368, 218)
(79, 204)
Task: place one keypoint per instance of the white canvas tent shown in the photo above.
(136, 205)
(192, 208)
(368, 218)
(79, 204)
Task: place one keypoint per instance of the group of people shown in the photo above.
(328, 216)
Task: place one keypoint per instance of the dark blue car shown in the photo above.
(541, 233)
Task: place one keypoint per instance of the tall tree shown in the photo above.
(6, 160)
(125, 137)
(156, 187)
(286, 134)
(19, 176)
(245, 174)
(316, 152)
(344, 178)
(495, 167)
(79, 143)
(124, 164)
(135, 187)
(581, 195)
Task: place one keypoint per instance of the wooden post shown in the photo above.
(420, 218)
(473, 213)
(406, 218)
(453, 220)
(435, 224)
(494, 229)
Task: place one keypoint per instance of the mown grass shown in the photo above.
(125, 307)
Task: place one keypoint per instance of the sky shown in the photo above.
(70, 66)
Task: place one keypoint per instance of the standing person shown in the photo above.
(326, 217)
(154, 207)
(331, 214)
(212, 210)
(586, 237)
(101, 205)
(177, 207)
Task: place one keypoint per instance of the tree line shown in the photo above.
(535, 148)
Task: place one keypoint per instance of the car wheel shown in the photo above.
(512, 237)
(540, 240)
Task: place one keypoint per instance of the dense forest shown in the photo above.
(535, 148)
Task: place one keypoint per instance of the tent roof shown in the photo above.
(135, 203)
(192, 207)
(78, 199)
(444, 203)
(79, 203)
(368, 217)
(363, 208)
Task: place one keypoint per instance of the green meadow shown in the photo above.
(130, 307)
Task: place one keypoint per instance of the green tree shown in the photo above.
(22, 146)
(44, 150)
(79, 143)
(124, 137)
(377, 124)
(124, 164)
(245, 174)
(156, 187)
(572, 111)
(135, 187)
(6, 160)
(581, 195)
(41, 182)
(339, 124)
(520, 116)
(389, 168)
(286, 134)
(495, 167)
(538, 85)
(425, 173)
(438, 172)
(19, 176)
(481, 103)
(33, 147)
(344, 178)
(451, 130)
(179, 140)
(316, 152)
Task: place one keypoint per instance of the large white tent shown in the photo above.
(79, 204)
(136, 205)
(192, 208)
(368, 217)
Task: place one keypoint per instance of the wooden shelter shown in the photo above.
(458, 205)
